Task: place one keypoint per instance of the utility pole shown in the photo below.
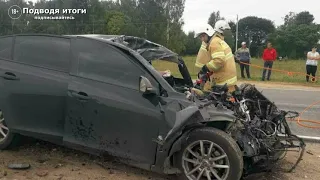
(237, 30)
(92, 16)
(168, 21)
(145, 30)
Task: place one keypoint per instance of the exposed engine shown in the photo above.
(261, 129)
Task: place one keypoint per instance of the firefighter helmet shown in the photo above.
(206, 28)
(221, 26)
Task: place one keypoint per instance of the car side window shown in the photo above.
(43, 51)
(6, 47)
(104, 62)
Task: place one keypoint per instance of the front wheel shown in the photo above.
(210, 154)
(7, 138)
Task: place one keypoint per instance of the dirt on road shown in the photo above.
(51, 162)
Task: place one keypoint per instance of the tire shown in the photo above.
(225, 147)
(11, 139)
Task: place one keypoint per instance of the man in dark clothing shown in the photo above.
(269, 56)
(243, 55)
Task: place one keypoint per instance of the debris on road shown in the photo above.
(43, 159)
(75, 169)
(22, 166)
(4, 173)
(42, 173)
(309, 152)
(58, 165)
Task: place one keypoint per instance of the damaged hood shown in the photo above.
(147, 49)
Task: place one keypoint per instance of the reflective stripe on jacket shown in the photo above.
(203, 57)
(222, 62)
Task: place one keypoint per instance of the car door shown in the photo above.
(105, 111)
(34, 86)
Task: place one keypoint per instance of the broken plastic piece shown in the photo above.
(19, 166)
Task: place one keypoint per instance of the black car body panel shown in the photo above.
(33, 98)
(100, 115)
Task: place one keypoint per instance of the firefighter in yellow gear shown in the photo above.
(221, 61)
(203, 56)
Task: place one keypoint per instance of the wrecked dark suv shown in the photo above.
(100, 94)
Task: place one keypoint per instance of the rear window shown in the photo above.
(5, 47)
(43, 51)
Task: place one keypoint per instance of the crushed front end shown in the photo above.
(261, 129)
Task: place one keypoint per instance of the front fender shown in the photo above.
(212, 113)
(211, 116)
(193, 115)
(181, 120)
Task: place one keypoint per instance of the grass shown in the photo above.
(256, 73)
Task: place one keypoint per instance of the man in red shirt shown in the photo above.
(269, 56)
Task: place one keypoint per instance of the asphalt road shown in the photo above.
(296, 99)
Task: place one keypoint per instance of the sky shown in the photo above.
(197, 12)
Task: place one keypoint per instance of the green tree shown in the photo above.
(175, 37)
(115, 22)
(289, 18)
(231, 37)
(214, 17)
(192, 44)
(294, 40)
(255, 31)
(304, 18)
(297, 35)
(157, 20)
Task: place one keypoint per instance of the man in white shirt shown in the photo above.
(312, 63)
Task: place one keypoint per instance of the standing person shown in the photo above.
(312, 63)
(222, 64)
(269, 56)
(243, 55)
(204, 33)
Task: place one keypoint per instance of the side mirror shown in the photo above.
(145, 86)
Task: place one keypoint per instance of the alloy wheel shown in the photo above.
(205, 160)
(4, 131)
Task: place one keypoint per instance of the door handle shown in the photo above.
(80, 95)
(9, 76)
